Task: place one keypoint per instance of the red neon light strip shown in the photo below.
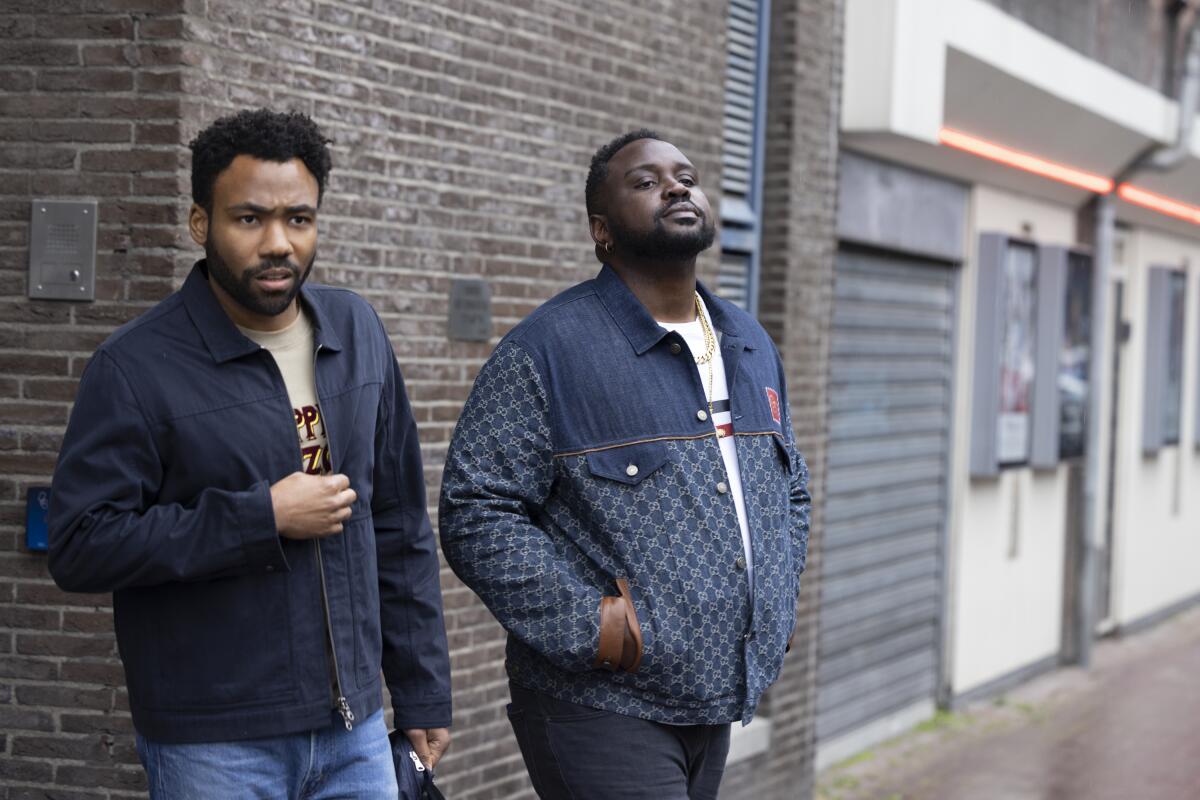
(1025, 161)
(1064, 174)
(1156, 202)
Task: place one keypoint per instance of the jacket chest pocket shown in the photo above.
(630, 464)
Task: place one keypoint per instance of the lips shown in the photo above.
(681, 209)
(275, 280)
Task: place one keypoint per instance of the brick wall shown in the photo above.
(797, 278)
(89, 107)
(462, 134)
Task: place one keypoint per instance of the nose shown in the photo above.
(676, 188)
(275, 242)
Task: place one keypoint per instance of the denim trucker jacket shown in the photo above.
(162, 496)
(585, 454)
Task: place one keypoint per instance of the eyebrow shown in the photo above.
(651, 167)
(257, 209)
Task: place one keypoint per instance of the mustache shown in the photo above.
(669, 207)
(267, 266)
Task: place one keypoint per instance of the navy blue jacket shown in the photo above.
(585, 454)
(162, 496)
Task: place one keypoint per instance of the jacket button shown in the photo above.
(702, 415)
(270, 567)
(675, 348)
(740, 563)
(722, 487)
(631, 470)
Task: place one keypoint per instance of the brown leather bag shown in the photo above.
(620, 644)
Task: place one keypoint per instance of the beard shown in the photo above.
(662, 244)
(245, 289)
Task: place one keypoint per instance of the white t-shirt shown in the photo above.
(293, 349)
(722, 419)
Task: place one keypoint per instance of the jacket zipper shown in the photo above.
(339, 704)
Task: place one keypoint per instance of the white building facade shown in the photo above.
(963, 551)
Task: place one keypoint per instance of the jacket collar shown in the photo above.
(222, 337)
(639, 327)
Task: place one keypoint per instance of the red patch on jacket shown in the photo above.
(773, 400)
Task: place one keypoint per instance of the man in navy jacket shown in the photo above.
(624, 492)
(242, 471)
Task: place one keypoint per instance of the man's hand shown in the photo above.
(311, 506)
(429, 743)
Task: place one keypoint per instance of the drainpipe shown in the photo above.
(1156, 158)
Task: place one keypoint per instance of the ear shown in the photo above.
(598, 226)
(198, 224)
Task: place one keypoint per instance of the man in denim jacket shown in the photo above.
(624, 492)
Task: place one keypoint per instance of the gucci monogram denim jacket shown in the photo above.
(585, 454)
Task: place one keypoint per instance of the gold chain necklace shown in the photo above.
(710, 350)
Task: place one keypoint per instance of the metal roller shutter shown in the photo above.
(882, 562)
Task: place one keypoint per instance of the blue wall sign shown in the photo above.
(36, 537)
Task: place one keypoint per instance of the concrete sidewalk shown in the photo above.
(1129, 729)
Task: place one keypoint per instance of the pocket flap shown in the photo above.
(630, 464)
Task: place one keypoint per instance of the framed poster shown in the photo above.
(1074, 357)
(1162, 404)
(1172, 407)
(1018, 353)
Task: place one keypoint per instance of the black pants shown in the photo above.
(574, 752)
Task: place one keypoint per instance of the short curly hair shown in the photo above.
(598, 171)
(263, 134)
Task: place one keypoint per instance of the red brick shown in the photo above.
(80, 26)
(83, 184)
(97, 723)
(89, 131)
(170, 80)
(37, 157)
(41, 441)
(39, 53)
(24, 105)
(47, 644)
(109, 55)
(47, 594)
(67, 340)
(161, 28)
(16, 718)
(104, 673)
(69, 697)
(87, 622)
(92, 79)
(38, 618)
(20, 769)
(28, 668)
(94, 749)
(28, 464)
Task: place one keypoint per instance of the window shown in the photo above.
(742, 151)
(1166, 291)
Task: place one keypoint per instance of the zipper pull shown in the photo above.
(416, 760)
(343, 708)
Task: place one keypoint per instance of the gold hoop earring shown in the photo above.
(608, 247)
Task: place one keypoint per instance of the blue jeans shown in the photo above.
(316, 765)
(574, 752)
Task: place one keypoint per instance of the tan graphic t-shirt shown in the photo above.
(293, 350)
